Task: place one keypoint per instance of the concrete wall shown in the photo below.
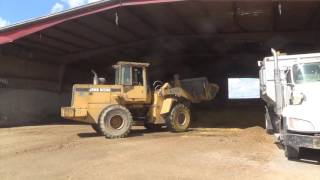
(22, 68)
(29, 92)
(27, 106)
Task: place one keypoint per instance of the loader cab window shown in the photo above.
(137, 77)
(129, 76)
(123, 75)
(126, 75)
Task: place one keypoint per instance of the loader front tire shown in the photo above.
(179, 118)
(115, 122)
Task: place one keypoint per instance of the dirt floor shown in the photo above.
(210, 150)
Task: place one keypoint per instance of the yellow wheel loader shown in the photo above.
(112, 109)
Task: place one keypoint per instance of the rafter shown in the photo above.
(37, 54)
(42, 44)
(98, 31)
(311, 22)
(78, 36)
(235, 16)
(191, 29)
(307, 36)
(142, 19)
(275, 16)
(69, 43)
(120, 26)
(181, 19)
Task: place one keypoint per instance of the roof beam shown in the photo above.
(302, 36)
(154, 20)
(142, 19)
(123, 28)
(98, 31)
(27, 46)
(275, 16)
(181, 19)
(186, 24)
(235, 17)
(202, 8)
(69, 43)
(48, 46)
(36, 53)
(78, 36)
(311, 22)
(92, 52)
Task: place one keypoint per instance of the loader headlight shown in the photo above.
(295, 124)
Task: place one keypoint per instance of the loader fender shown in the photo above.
(166, 106)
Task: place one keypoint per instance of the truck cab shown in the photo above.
(292, 105)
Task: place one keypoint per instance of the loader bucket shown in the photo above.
(200, 89)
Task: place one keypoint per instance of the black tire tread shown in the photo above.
(103, 115)
(169, 121)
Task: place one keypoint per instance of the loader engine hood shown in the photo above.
(83, 95)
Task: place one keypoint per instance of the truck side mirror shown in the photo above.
(297, 98)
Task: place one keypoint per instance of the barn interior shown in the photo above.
(41, 59)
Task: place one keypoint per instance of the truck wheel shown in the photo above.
(96, 128)
(179, 118)
(290, 152)
(152, 127)
(115, 122)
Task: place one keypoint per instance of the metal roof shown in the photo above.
(167, 29)
(15, 31)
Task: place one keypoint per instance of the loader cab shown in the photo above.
(133, 77)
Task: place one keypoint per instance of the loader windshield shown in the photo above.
(308, 72)
(123, 75)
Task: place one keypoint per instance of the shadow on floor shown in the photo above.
(228, 117)
(57, 121)
(133, 133)
(211, 116)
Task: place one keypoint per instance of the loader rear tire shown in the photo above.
(179, 118)
(96, 128)
(115, 122)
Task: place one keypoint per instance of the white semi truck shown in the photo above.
(290, 87)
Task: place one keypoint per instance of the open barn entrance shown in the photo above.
(42, 59)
